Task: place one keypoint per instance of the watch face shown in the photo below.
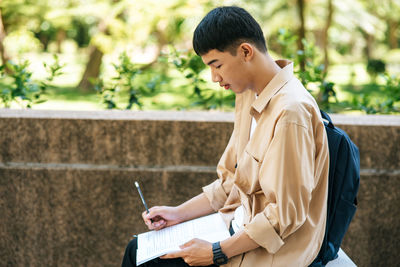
(220, 260)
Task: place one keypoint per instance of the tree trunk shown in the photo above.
(325, 35)
(92, 68)
(393, 26)
(369, 40)
(301, 31)
(60, 38)
(4, 56)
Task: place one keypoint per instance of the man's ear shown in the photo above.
(246, 50)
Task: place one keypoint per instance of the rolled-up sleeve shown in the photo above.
(286, 177)
(218, 191)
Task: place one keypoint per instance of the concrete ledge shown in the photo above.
(120, 115)
(112, 142)
(66, 194)
(372, 120)
(341, 261)
(128, 138)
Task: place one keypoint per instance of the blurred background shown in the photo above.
(135, 54)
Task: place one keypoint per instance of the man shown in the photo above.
(273, 175)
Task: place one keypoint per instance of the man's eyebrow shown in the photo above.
(211, 62)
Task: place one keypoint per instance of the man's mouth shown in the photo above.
(226, 86)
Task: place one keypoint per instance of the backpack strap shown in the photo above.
(325, 116)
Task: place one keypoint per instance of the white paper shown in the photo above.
(157, 243)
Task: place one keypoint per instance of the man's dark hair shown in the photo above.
(224, 28)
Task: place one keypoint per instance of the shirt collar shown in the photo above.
(280, 79)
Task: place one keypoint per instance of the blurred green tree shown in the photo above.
(3, 52)
(387, 11)
(141, 23)
(347, 31)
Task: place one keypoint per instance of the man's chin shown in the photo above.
(238, 91)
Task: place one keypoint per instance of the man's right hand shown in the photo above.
(160, 217)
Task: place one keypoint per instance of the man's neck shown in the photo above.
(265, 69)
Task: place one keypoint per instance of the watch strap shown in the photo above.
(219, 258)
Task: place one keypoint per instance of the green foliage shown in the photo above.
(314, 76)
(382, 99)
(53, 70)
(80, 30)
(126, 83)
(178, 71)
(20, 87)
(375, 67)
(191, 67)
(133, 24)
(23, 91)
(107, 93)
(287, 43)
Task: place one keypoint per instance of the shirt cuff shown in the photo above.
(263, 233)
(215, 194)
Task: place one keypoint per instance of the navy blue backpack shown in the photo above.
(344, 180)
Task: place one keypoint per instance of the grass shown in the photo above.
(70, 98)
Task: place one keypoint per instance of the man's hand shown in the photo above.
(162, 216)
(196, 252)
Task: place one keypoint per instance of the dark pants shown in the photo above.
(130, 258)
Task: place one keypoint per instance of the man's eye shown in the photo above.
(219, 66)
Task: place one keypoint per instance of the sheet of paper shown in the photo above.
(157, 243)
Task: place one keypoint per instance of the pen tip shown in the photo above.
(136, 184)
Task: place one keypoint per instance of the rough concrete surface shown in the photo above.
(66, 181)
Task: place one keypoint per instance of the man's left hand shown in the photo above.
(196, 252)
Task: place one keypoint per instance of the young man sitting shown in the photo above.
(273, 176)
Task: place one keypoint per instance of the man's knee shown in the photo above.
(132, 246)
(129, 259)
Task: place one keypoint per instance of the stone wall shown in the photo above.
(66, 180)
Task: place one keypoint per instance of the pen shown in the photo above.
(141, 196)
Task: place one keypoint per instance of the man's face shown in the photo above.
(227, 70)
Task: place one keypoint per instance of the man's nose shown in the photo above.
(215, 77)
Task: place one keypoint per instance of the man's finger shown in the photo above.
(147, 222)
(172, 255)
(187, 244)
(159, 224)
(145, 216)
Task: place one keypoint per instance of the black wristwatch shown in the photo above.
(219, 257)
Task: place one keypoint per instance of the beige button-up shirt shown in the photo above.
(280, 175)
